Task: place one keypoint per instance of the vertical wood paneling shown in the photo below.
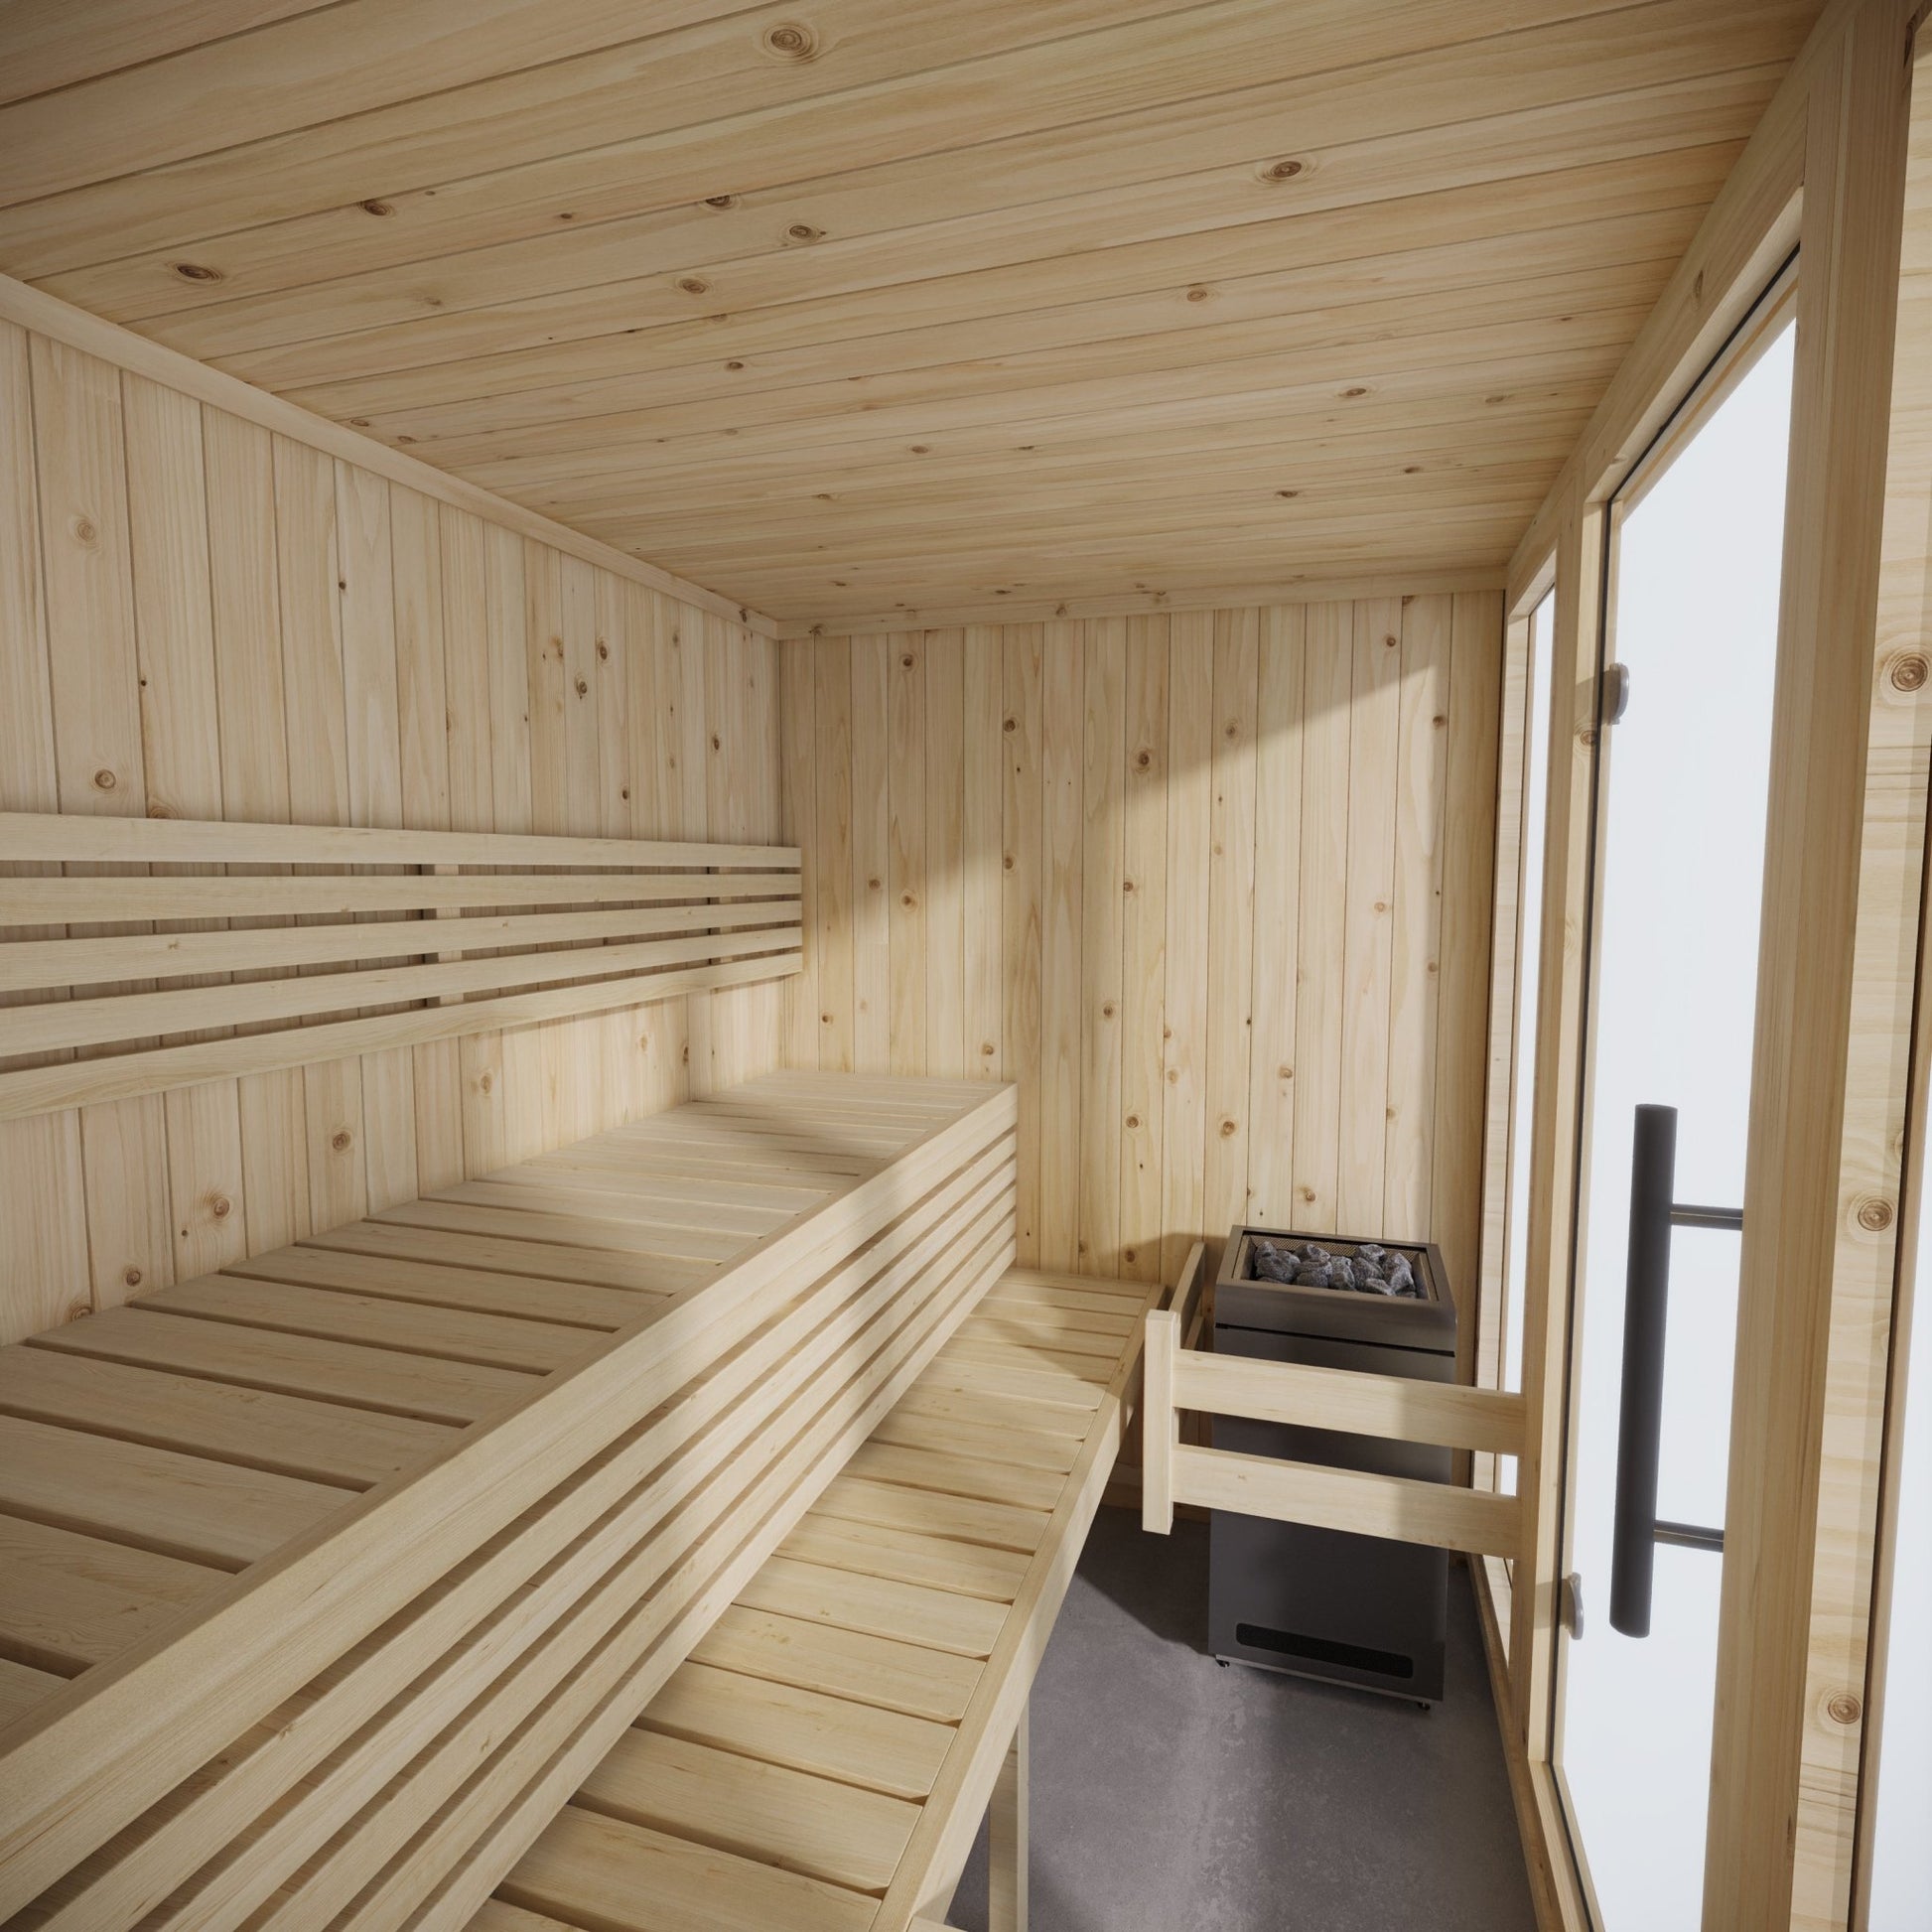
(1326, 700)
(44, 1277)
(870, 885)
(1234, 959)
(182, 755)
(945, 854)
(833, 928)
(1143, 944)
(905, 880)
(981, 896)
(1374, 721)
(798, 706)
(1278, 903)
(1463, 991)
(1190, 792)
(1102, 886)
(81, 457)
(1062, 715)
(199, 619)
(1230, 920)
(250, 692)
(1022, 911)
(1421, 765)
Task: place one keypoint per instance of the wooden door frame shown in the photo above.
(1845, 851)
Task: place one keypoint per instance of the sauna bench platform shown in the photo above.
(224, 1505)
(822, 1760)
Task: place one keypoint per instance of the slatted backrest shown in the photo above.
(174, 951)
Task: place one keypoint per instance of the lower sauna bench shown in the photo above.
(325, 1579)
(822, 1760)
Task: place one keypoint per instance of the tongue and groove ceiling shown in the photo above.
(841, 307)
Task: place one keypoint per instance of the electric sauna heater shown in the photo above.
(1351, 1610)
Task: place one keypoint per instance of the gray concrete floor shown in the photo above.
(1170, 1794)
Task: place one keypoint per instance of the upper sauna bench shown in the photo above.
(312, 1571)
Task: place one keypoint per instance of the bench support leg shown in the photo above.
(1006, 1877)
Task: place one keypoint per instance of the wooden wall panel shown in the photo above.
(1236, 955)
(202, 618)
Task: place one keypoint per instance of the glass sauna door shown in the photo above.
(1682, 782)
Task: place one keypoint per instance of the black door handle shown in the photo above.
(1654, 1212)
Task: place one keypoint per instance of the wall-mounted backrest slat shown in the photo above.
(71, 838)
(653, 919)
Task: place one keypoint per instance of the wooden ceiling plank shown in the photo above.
(1100, 411)
(441, 71)
(810, 402)
(54, 44)
(1229, 436)
(1402, 580)
(1254, 514)
(1277, 463)
(306, 339)
(1659, 47)
(407, 156)
(1194, 271)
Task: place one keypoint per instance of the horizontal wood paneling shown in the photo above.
(1226, 878)
(1090, 295)
(204, 619)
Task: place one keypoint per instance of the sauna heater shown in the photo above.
(1351, 1610)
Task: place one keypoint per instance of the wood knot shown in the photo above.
(131, 1276)
(789, 40)
(717, 742)
(1009, 862)
(603, 650)
(583, 687)
(1107, 1011)
(1132, 1120)
(342, 1140)
(626, 792)
(905, 663)
(1308, 1194)
(1874, 1215)
(196, 272)
(1288, 493)
(220, 1207)
(1284, 170)
(1845, 1709)
(84, 530)
(1197, 294)
(1908, 673)
(485, 1082)
(692, 285)
(104, 779)
(1227, 1130)
(734, 365)
(1010, 724)
(1355, 389)
(377, 207)
(804, 232)
(986, 1050)
(1143, 760)
(721, 201)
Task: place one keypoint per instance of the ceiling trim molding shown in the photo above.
(47, 315)
(1423, 581)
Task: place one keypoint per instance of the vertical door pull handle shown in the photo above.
(1654, 1212)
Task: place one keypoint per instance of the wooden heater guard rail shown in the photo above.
(1181, 1377)
(557, 927)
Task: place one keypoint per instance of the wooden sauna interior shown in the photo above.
(718, 724)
